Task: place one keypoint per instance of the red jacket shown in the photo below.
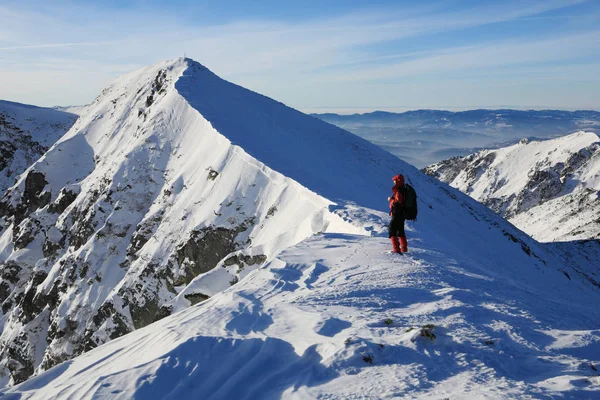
(397, 197)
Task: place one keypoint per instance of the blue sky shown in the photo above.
(339, 56)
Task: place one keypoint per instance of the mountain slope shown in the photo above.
(138, 198)
(337, 317)
(26, 132)
(176, 184)
(550, 189)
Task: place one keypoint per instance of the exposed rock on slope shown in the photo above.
(26, 132)
(550, 189)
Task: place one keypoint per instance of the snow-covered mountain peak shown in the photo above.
(142, 196)
(266, 129)
(305, 149)
(175, 185)
(547, 188)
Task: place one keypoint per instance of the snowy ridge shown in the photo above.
(77, 110)
(26, 132)
(550, 189)
(337, 317)
(178, 186)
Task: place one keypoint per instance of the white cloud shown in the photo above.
(279, 58)
(56, 45)
(480, 57)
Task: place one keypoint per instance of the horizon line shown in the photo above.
(401, 110)
(361, 110)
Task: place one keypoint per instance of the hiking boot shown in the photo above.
(403, 244)
(395, 244)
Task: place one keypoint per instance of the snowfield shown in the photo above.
(338, 317)
(188, 238)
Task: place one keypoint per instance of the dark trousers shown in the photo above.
(396, 226)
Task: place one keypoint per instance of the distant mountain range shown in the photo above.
(423, 137)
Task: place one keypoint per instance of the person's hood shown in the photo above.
(399, 180)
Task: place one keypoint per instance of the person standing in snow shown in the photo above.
(396, 229)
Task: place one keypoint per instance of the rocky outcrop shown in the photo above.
(473, 166)
(206, 247)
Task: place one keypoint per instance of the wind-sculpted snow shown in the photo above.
(26, 132)
(338, 317)
(550, 189)
(174, 189)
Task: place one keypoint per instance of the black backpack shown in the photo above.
(410, 202)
